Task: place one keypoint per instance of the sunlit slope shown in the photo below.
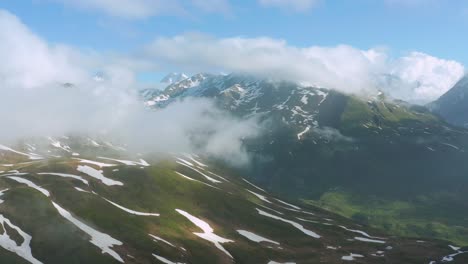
(176, 209)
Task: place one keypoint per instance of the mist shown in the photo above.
(192, 125)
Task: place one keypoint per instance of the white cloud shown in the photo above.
(34, 102)
(29, 61)
(421, 77)
(296, 5)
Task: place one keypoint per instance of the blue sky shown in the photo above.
(434, 27)
(326, 42)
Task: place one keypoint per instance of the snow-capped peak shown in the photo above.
(99, 77)
(173, 77)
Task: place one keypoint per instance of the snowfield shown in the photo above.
(131, 211)
(128, 162)
(23, 250)
(97, 174)
(101, 240)
(255, 238)
(296, 225)
(30, 184)
(100, 164)
(65, 176)
(208, 232)
(352, 257)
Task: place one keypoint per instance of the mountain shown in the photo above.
(173, 78)
(82, 200)
(383, 162)
(453, 106)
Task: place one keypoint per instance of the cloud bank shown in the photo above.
(416, 77)
(29, 61)
(35, 102)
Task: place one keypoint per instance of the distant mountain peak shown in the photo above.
(99, 77)
(453, 104)
(173, 77)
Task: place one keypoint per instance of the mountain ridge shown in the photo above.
(321, 143)
(453, 105)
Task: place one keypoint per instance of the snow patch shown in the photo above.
(352, 257)
(30, 156)
(98, 175)
(30, 184)
(23, 250)
(81, 190)
(359, 232)
(131, 211)
(253, 185)
(296, 225)
(204, 175)
(363, 239)
(208, 232)
(100, 164)
(288, 204)
(255, 238)
(142, 162)
(165, 260)
(2, 192)
(191, 179)
(299, 136)
(66, 176)
(156, 238)
(259, 196)
(101, 240)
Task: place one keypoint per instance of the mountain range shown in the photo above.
(332, 178)
(385, 162)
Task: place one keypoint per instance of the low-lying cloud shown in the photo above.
(49, 90)
(416, 77)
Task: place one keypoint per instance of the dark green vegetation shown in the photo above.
(422, 217)
(226, 206)
(379, 153)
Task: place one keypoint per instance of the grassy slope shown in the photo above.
(159, 189)
(434, 214)
(425, 217)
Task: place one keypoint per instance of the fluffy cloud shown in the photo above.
(297, 5)
(29, 61)
(425, 77)
(34, 102)
(416, 77)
